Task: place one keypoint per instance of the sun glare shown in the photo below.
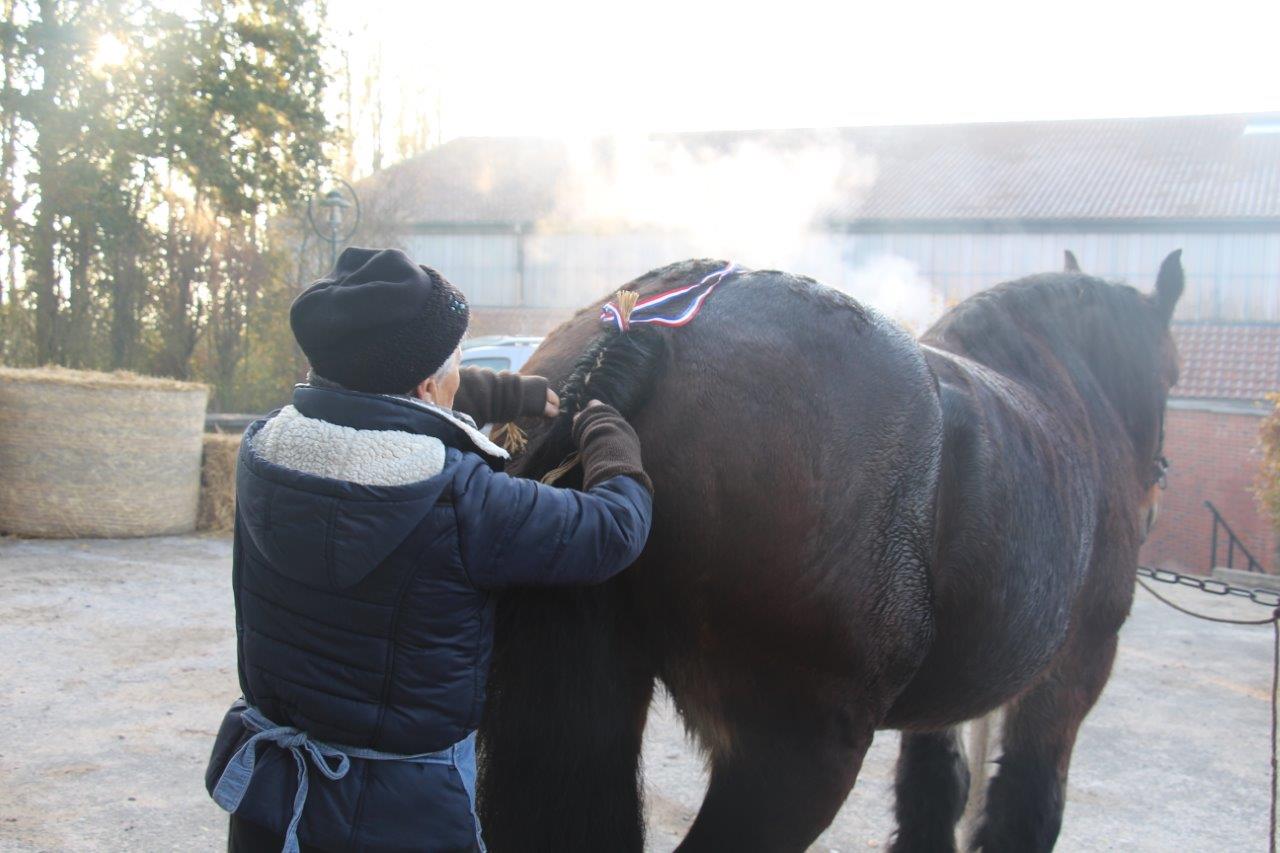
(109, 52)
(565, 67)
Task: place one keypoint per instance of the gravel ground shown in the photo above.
(119, 660)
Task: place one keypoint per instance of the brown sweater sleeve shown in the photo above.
(491, 397)
(608, 447)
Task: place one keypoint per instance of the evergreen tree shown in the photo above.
(141, 154)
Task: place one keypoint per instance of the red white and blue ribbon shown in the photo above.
(671, 308)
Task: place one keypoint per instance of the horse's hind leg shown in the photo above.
(1026, 798)
(931, 787)
(777, 793)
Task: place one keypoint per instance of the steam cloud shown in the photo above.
(759, 203)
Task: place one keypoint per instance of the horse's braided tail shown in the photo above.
(618, 368)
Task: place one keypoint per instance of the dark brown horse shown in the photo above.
(853, 531)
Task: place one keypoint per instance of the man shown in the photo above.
(372, 530)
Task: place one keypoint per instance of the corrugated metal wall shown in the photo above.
(1231, 276)
(484, 266)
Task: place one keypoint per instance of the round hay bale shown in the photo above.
(98, 454)
(218, 483)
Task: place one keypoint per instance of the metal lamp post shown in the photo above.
(334, 229)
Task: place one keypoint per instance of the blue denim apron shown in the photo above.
(332, 760)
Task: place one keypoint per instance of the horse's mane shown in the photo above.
(1037, 296)
(1107, 336)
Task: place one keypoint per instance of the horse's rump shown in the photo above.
(792, 437)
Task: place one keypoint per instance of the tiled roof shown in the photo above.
(1223, 361)
(1181, 168)
(471, 181)
(1158, 168)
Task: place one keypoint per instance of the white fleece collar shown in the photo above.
(366, 456)
(458, 419)
(370, 457)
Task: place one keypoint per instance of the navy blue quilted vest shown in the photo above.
(364, 615)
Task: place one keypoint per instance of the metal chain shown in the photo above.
(1264, 597)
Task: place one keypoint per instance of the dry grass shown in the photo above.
(95, 379)
(217, 513)
(98, 454)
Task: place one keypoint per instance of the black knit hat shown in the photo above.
(379, 322)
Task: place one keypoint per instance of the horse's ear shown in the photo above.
(1169, 284)
(1069, 262)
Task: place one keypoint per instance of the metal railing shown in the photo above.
(229, 423)
(1234, 544)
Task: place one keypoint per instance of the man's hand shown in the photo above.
(584, 409)
(489, 397)
(607, 446)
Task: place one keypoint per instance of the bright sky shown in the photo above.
(566, 67)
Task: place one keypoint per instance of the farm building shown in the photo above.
(1211, 440)
(534, 228)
